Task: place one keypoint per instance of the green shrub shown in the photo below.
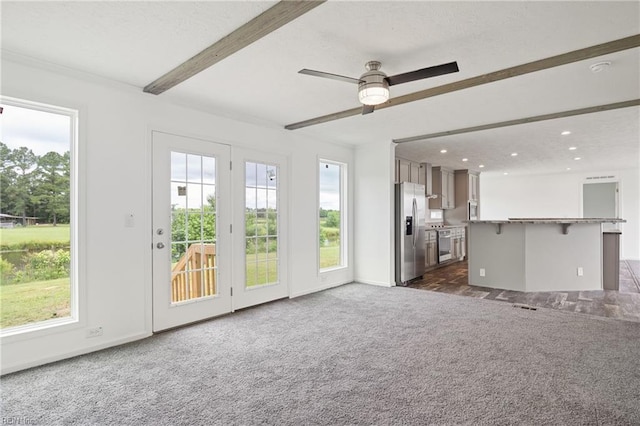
(323, 236)
(40, 266)
(6, 270)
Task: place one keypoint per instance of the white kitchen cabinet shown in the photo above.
(414, 175)
(409, 171)
(458, 249)
(431, 249)
(467, 185)
(421, 175)
(473, 187)
(404, 170)
(443, 186)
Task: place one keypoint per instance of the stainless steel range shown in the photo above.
(444, 245)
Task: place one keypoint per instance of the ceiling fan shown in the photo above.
(373, 85)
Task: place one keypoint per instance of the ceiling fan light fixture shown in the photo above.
(373, 93)
(373, 88)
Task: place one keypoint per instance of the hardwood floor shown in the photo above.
(623, 304)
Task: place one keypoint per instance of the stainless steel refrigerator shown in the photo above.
(410, 245)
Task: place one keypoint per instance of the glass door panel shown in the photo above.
(261, 224)
(188, 183)
(260, 260)
(193, 226)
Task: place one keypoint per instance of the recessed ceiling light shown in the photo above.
(443, 151)
(565, 133)
(481, 166)
(577, 158)
(514, 154)
(572, 148)
(505, 173)
(568, 168)
(465, 159)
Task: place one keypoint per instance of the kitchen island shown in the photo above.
(537, 254)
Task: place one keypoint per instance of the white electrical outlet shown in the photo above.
(94, 332)
(580, 271)
(482, 272)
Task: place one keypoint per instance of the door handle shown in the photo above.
(160, 245)
(415, 220)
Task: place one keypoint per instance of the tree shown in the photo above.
(23, 160)
(7, 178)
(51, 191)
(333, 219)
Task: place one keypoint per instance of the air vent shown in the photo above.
(527, 307)
(600, 177)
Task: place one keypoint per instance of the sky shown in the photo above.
(329, 186)
(40, 131)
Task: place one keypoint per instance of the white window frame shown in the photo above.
(344, 215)
(73, 321)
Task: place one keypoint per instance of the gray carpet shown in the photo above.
(634, 268)
(356, 354)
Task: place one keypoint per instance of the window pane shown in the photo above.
(208, 170)
(178, 166)
(261, 223)
(193, 229)
(36, 175)
(330, 214)
(194, 168)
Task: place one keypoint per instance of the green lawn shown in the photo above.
(267, 272)
(51, 233)
(329, 256)
(35, 301)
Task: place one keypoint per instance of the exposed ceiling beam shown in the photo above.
(552, 116)
(268, 21)
(542, 64)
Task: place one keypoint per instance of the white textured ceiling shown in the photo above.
(137, 42)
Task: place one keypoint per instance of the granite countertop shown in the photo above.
(546, 220)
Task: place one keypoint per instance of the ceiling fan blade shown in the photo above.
(367, 109)
(423, 73)
(329, 75)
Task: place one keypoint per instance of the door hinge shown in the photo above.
(231, 228)
(230, 165)
(231, 291)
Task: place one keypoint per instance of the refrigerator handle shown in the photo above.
(415, 221)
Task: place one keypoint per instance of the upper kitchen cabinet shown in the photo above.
(408, 171)
(443, 182)
(474, 187)
(467, 186)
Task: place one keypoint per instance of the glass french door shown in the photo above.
(191, 230)
(260, 227)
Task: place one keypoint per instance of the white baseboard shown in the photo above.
(378, 283)
(317, 289)
(83, 351)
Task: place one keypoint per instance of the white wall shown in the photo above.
(560, 195)
(374, 239)
(115, 125)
